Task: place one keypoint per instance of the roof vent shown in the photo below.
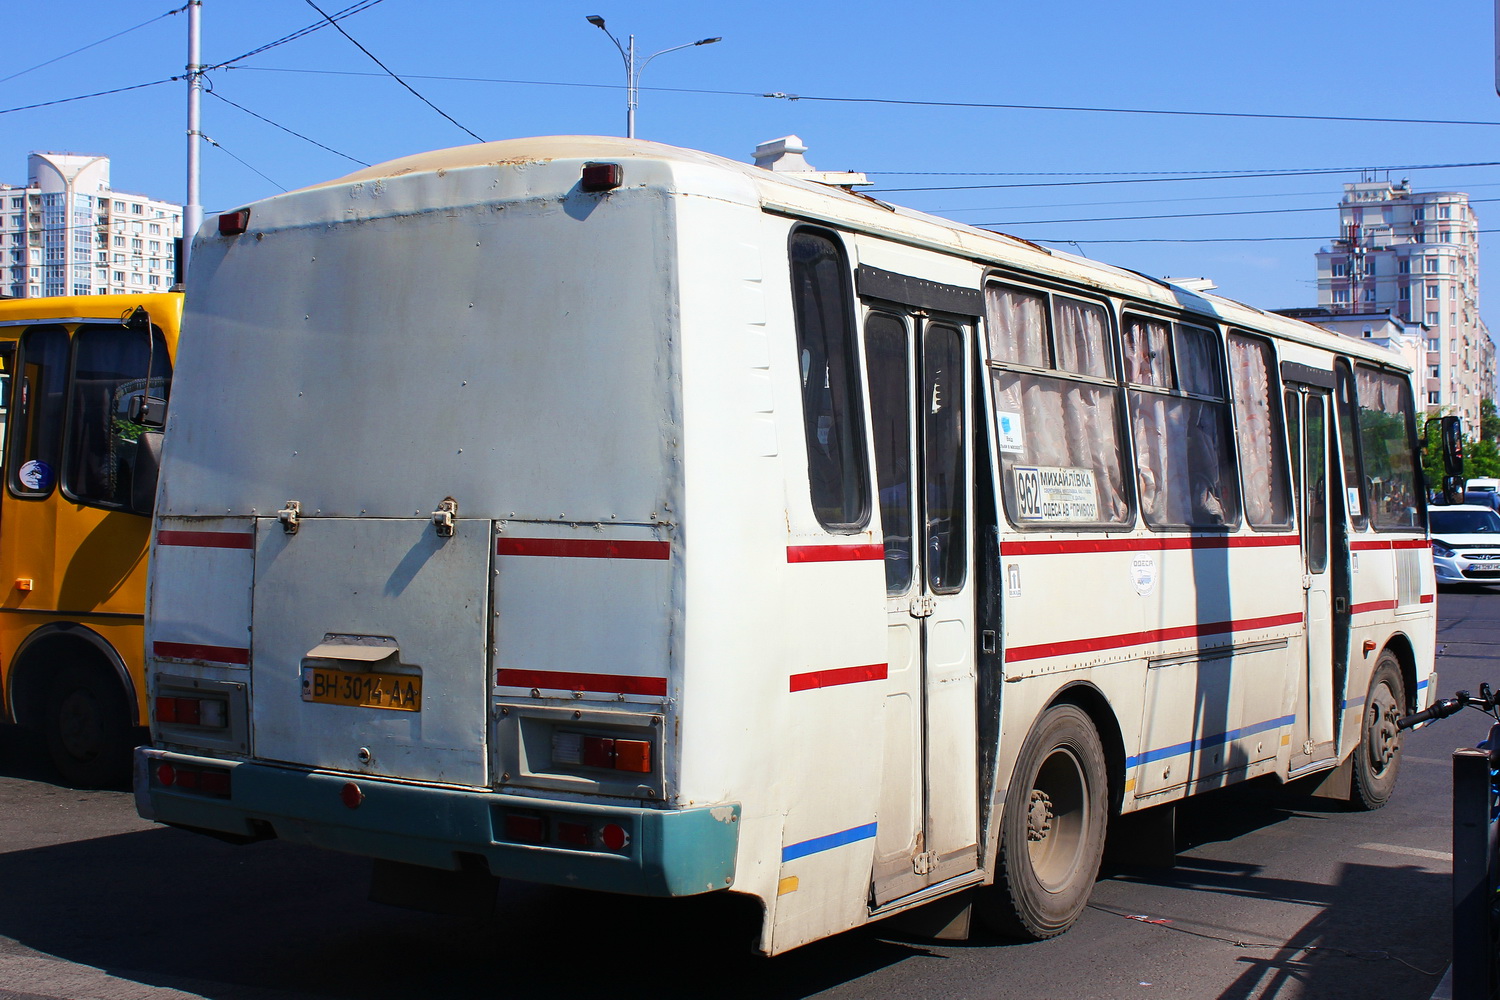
(784, 156)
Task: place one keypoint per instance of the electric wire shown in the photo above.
(392, 74)
(780, 95)
(1188, 215)
(217, 145)
(1311, 172)
(212, 93)
(349, 11)
(84, 97)
(1213, 239)
(1371, 120)
(91, 45)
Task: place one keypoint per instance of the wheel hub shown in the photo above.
(1039, 816)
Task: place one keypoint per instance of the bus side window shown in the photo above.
(37, 419)
(1356, 500)
(1185, 464)
(1387, 442)
(1257, 410)
(1057, 410)
(829, 371)
(7, 365)
(111, 365)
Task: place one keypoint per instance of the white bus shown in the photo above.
(599, 513)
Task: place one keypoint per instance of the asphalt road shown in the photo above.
(1274, 895)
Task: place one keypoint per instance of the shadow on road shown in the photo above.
(176, 910)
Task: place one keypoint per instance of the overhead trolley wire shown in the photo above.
(1132, 111)
(1185, 177)
(349, 11)
(84, 97)
(1187, 215)
(1211, 239)
(90, 45)
(392, 74)
(212, 93)
(780, 95)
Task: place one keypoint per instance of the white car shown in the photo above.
(1465, 543)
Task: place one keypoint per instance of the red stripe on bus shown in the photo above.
(199, 651)
(207, 539)
(1103, 642)
(842, 675)
(564, 680)
(1360, 609)
(1073, 546)
(585, 548)
(835, 553)
(1387, 544)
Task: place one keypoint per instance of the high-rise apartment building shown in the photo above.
(1415, 255)
(67, 232)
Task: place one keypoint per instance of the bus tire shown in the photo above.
(1052, 831)
(1377, 758)
(87, 728)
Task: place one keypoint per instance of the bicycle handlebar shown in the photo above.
(1441, 709)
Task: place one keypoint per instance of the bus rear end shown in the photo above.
(417, 562)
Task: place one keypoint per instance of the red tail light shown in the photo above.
(234, 223)
(601, 176)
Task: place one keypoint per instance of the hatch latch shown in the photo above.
(444, 516)
(290, 517)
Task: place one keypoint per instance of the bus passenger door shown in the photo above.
(928, 813)
(1311, 417)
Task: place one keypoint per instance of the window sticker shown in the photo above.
(1012, 438)
(1354, 502)
(1046, 493)
(36, 476)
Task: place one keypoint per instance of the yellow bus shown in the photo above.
(83, 388)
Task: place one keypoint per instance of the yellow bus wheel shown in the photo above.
(87, 728)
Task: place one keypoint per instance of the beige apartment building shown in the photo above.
(1415, 257)
(67, 232)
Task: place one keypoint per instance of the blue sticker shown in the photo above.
(36, 476)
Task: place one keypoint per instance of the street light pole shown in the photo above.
(633, 71)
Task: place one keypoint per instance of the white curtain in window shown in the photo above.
(1017, 326)
(1148, 360)
(1082, 338)
(1262, 455)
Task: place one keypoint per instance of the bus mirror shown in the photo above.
(1453, 489)
(148, 411)
(1453, 448)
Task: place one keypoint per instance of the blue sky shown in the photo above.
(545, 70)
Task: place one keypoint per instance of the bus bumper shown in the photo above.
(666, 852)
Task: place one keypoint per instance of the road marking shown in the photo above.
(1411, 852)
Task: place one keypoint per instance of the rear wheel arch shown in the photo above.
(42, 656)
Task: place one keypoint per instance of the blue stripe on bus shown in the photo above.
(1208, 741)
(791, 852)
(1349, 703)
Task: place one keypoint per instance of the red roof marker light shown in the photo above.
(234, 223)
(601, 176)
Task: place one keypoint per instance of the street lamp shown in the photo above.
(633, 72)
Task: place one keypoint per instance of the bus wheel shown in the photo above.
(1377, 759)
(1052, 831)
(87, 730)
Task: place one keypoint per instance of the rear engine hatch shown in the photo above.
(369, 647)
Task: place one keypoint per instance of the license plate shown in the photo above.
(1485, 567)
(363, 689)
